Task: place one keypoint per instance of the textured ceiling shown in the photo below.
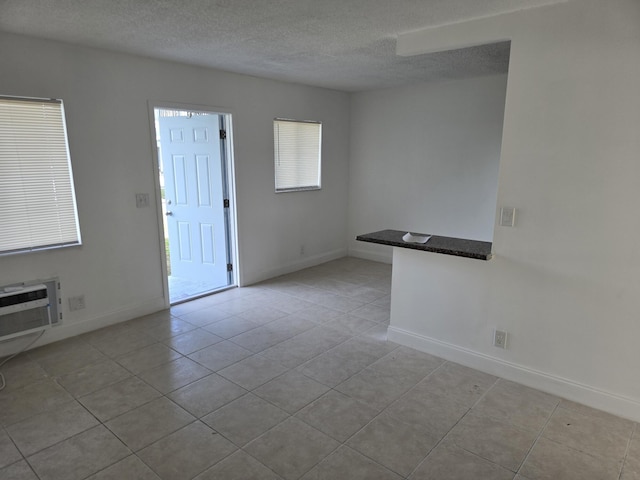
(342, 44)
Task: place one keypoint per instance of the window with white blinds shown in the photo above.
(297, 148)
(37, 200)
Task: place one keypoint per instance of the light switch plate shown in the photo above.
(507, 216)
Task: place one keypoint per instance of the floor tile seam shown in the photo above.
(54, 355)
(120, 328)
(446, 435)
(85, 366)
(378, 415)
(11, 391)
(323, 458)
(135, 451)
(470, 411)
(216, 371)
(537, 439)
(160, 395)
(210, 466)
(333, 387)
(191, 353)
(53, 374)
(39, 412)
(599, 422)
(110, 384)
(539, 433)
(228, 439)
(589, 453)
(397, 400)
(28, 465)
(344, 443)
(22, 457)
(488, 460)
(326, 351)
(132, 454)
(76, 435)
(582, 452)
(243, 448)
(295, 415)
(374, 460)
(249, 390)
(230, 339)
(300, 408)
(62, 440)
(186, 384)
(128, 352)
(438, 443)
(404, 392)
(155, 366)
(40, 360)
(626, 452)
(236, 449)
(144, 404)
(210, 323)
(485, 393)
(308, 359)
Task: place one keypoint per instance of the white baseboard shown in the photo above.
(555, 385)
(67, 330)
(294, 266)
(373, 256)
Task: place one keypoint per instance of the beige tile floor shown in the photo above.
(289, 379)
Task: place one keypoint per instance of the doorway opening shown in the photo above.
(194, 177)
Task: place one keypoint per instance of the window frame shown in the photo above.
(39, 182)
(302, 186)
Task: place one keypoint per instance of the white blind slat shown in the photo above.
(297, 151)
(36, 183)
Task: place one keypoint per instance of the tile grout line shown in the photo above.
(535, 442)
(444, 437)
(380, 413)
(626, 452)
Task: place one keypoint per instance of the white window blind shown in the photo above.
(297, 148)
(37, 200)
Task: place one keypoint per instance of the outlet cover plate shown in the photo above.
(142, 200)
(500, 338)
(507, 217)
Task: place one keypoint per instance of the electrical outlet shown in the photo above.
(142, 200)
(500, 339)
(76, 303)
(507, 217)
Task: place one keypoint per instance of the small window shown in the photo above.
(37, 200)
(297, 154)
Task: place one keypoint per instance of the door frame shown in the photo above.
(229, 174)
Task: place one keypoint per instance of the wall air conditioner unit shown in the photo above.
(25, 309)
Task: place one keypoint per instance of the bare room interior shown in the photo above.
(447, 290)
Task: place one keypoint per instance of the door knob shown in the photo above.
(169, 213)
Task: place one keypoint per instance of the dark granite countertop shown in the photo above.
(459, 247)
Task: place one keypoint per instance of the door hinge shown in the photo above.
(229, 267)
(225, 203)
(223, 134)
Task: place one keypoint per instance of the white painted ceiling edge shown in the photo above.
(347, 45)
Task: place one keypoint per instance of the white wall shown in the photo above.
(118, 267)
(425, 159)
(565, 282)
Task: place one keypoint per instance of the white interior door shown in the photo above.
(194, 193)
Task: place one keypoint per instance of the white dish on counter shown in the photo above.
(409, 238)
